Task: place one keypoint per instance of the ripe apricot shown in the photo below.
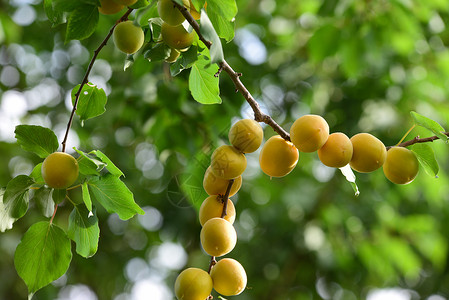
(246, 135)
(193, 284)
(278, 157)
(218, 237)
(228, 277)
(401, 165)
(369, 153)
(309, 133)
(169, 13)
(60, 170)
(128, 37)
(227, 162)
(337, 151)
(126, 2)
(110, 7)
(176, 36)
(212, 207)
(214, 185)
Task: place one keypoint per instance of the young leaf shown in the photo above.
(86, 196)
(209, 33)
(84, 231)
(109, 164)
(44, 201)
(82, 22)
(16, 197)
(37, 139)
(202, 83)
(43, 255)
(36, 174)
(429, 124)
(54, 15)
(92, 101)
(222, 13)
(89, 165)
(6, 220)
(426, 158)
(350, 177)
(114, 196)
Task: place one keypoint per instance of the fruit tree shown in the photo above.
(222, 149)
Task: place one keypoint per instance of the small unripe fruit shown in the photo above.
(214, 185)
(227, 162)
(128, 37)
(246, 135)
(60, 170)
(110, 7)
(309, 133)
(337, 151)
(174, 54)
(229, 277)
(369, 153)
(126, 2)
(212, 207)
(278, 157)
(176, 36)
(169, 13)
(193, 284)
(401, 165)
(218, 237)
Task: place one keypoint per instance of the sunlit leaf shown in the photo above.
(83, 230)
(82, 22)
(92, 101)
(429, 124)
(37, 139)
(426, 158)
(202, 83)
(16, 196)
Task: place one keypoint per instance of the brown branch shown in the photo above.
(226, 198)
(86, 76)
(235, 77)
(418, 140)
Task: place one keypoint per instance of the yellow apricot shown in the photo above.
(174, 54)
(246, 135)
(309, 133)
(128, 37)
(278, 157)
(227, 162)
(337, 151)
(193, 284)
(228, 277)
(369, 153)
(126, 2)
(214, 185)
(212, 207)
(401, 165)
(218, 237)
(110, 7)
(176, 36)
(60, 170)
(169, 13)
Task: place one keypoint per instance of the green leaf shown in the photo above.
(82, 22)
(89, 165)
(222, 13)
(43, 255)
(66, 5)
(86, 196)
(322, 43)
(92, 101)
(37, 139)
(429, 124)
(114, 196)
(185, 61)
(209, 33)
(109, 164)
(140, 4)
(54, 15)
(84, 231)
(16, 197)
(36, 174)
(350, 177)
(426, 158)
(6, 220)
(44, 201)
(58, 195)
(202, 82)
(158, 52)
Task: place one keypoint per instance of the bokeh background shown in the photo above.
(362, 65)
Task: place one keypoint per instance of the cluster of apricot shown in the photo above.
(363, 152)
(217, 214)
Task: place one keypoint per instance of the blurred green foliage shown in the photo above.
(362, 65)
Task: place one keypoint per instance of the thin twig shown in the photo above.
(418, 140)
(226, 198)
(86, 76)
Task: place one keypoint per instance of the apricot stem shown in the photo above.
(405, 135)
(86, 76)
(418, 140)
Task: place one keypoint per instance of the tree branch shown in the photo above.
(86, 76)
(418, 140)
